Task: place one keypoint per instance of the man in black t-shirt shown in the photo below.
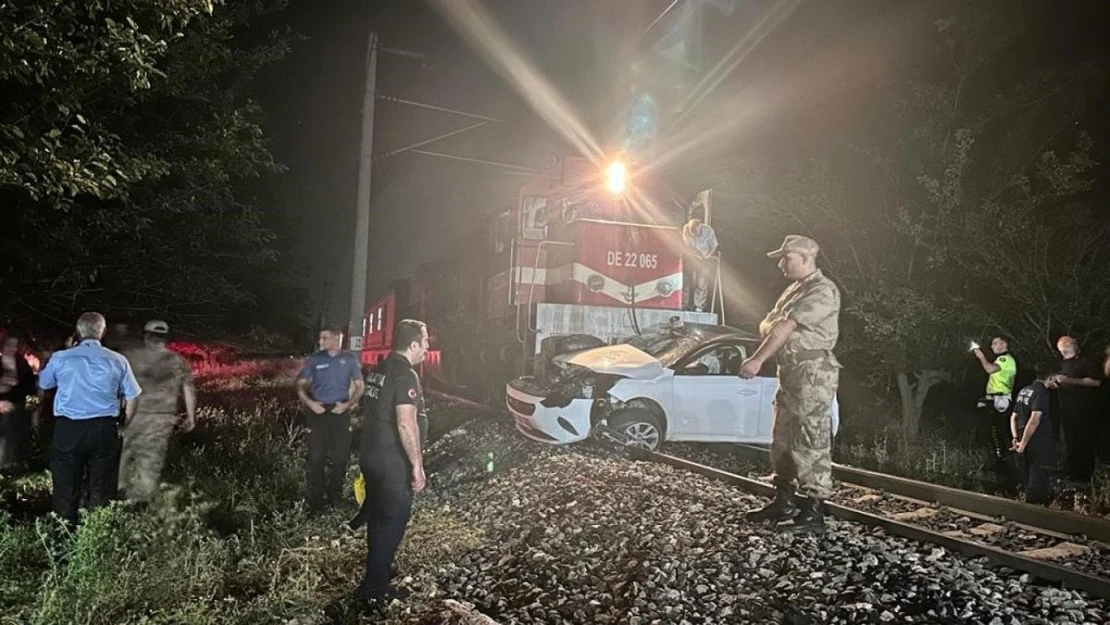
(1031, 427)
(390, 455)
(1078, 381)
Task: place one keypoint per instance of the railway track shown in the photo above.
(1072, 560)
(1053, 545)
(973, 503)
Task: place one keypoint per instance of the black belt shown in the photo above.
(803, 356)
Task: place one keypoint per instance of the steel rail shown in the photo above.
(1032, 516)
(1040, 517)
(1096, 586)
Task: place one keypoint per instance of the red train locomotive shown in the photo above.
(585, 257)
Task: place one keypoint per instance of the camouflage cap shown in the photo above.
(156, 326)
(796, 243)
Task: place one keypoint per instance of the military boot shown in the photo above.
(810, 517)
(782, 508)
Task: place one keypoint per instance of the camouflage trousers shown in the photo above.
(145, 440)
(801, 439)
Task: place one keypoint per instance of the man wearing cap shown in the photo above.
(164, 375)
(800, 334)
(86, 439)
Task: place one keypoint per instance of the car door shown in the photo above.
(712, 402)
(759, 428)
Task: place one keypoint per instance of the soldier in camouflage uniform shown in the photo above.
(163, 375)
(800, 334)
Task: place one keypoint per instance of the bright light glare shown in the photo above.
(471, 19)
(616, 177)
(974, 346)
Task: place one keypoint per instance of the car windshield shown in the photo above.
(668, 348)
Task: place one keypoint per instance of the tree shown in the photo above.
(135, 158)
(941, 210)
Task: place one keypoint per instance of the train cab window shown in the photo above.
(533, 216)
(502, 232)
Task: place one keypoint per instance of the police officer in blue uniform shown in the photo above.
(90, 380)
(390, 453)
(329, 385)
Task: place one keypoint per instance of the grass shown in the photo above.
(930, 458)
(951, 454)
(226, 541)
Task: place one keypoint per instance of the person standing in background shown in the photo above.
(90, 381)
(329, 385)
(1031, 432)
(996, 403)
(17, 381)
(164, 376)
(1078, 385)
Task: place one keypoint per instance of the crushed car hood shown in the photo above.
(623, 360)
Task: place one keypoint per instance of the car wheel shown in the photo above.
(638, 427)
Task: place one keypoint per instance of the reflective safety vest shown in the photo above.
(1001, 382)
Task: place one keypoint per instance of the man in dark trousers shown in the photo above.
(1031, 428)
(1078, 381)
(1001, 370)
(90, 380)
(390, 454)
(329, 385)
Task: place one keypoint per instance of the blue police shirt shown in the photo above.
(90, 380)
(331, 376)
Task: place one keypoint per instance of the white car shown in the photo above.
(674, 385)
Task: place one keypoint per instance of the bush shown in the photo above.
(229, 542)
(944, 452)
(23, 562)
(122, 566)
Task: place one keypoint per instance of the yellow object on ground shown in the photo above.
(360, 489)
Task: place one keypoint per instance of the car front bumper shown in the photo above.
(555, 425)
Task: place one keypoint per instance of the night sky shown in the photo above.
(421, 203)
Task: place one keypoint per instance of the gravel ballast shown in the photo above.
(581, 534)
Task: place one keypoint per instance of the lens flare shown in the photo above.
(616, 177)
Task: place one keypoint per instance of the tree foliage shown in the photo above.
(134, 157)
(953, 208)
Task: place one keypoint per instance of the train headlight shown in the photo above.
(616, 177)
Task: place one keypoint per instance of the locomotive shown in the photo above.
(587, 256)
